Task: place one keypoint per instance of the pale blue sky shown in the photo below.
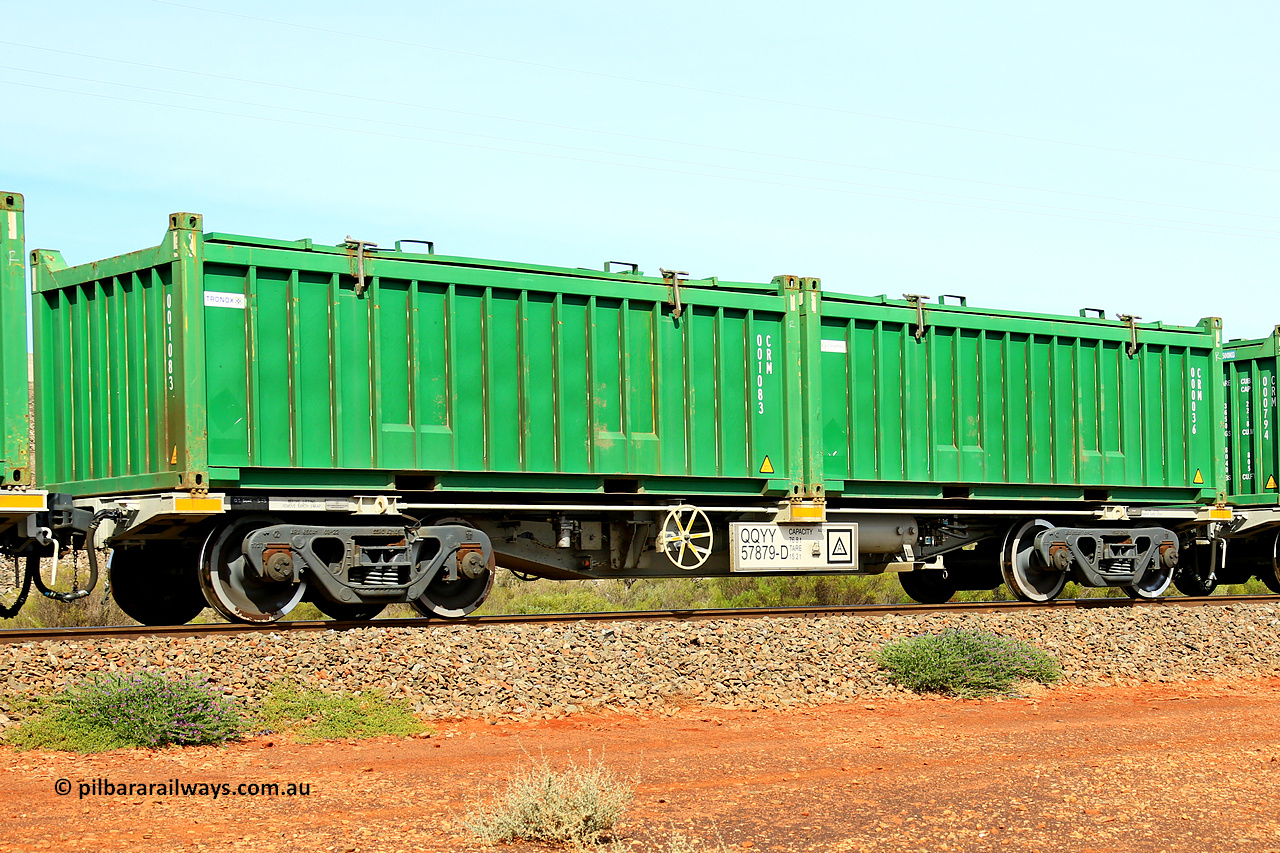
(1031, 156)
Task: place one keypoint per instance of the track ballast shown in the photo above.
(112, 632)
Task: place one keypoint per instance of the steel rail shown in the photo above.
(116, 632)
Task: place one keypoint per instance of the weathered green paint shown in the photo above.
(445, 373)
(1249, 374)
(811, 437)
(1019, 406)
(14, 418)
(238, 362)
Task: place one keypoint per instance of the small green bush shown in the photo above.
(965, 663)
(314, 715)
(568, 808)
(145, 709)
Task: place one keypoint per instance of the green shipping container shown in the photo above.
(14, 430)
(220, 361)
(946, 401)
(1253, 454)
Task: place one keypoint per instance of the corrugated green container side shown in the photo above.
(1001, 405)
(226, 361)
(1253, 454)
(15, 423)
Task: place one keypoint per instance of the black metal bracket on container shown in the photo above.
(1131, 321)
(360, 246)
(674, 281)
(917, 302)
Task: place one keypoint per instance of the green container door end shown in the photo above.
(1249, 420)
(15, 425)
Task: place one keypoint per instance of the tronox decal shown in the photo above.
(214, 299)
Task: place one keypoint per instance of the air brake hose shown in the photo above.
(33, 568)
(76, 594)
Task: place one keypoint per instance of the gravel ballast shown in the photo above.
(460, 671)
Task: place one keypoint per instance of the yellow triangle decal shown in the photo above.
(1199, 478)
(1271, 481)
(766, 467)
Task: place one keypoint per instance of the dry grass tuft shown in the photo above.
(569, 808)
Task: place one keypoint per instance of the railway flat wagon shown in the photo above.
(253, 422)
(1250, 545)
(258, 415)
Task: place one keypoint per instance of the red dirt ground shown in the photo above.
(1150, 768)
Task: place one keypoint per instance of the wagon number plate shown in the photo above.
(793, 547)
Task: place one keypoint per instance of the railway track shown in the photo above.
(22, 635)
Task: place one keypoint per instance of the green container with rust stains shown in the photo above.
(228, 362)
(928, 400)
(220, 361)
(15, 428)
(1253, 453)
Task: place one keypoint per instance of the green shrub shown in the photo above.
(570, 807)
(146, 709)
(965, 663)
(313, 715)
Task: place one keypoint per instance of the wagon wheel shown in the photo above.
(157, 583)
(686, 537)
(11, 603)
(454, 599)
(1269, 566)
(1155, 581)
(1026, 575)
(229, 583)
(928, 586)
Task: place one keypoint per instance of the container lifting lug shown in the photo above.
(1132, 322)
(360, 246)
(917, 301)
(674, 281)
